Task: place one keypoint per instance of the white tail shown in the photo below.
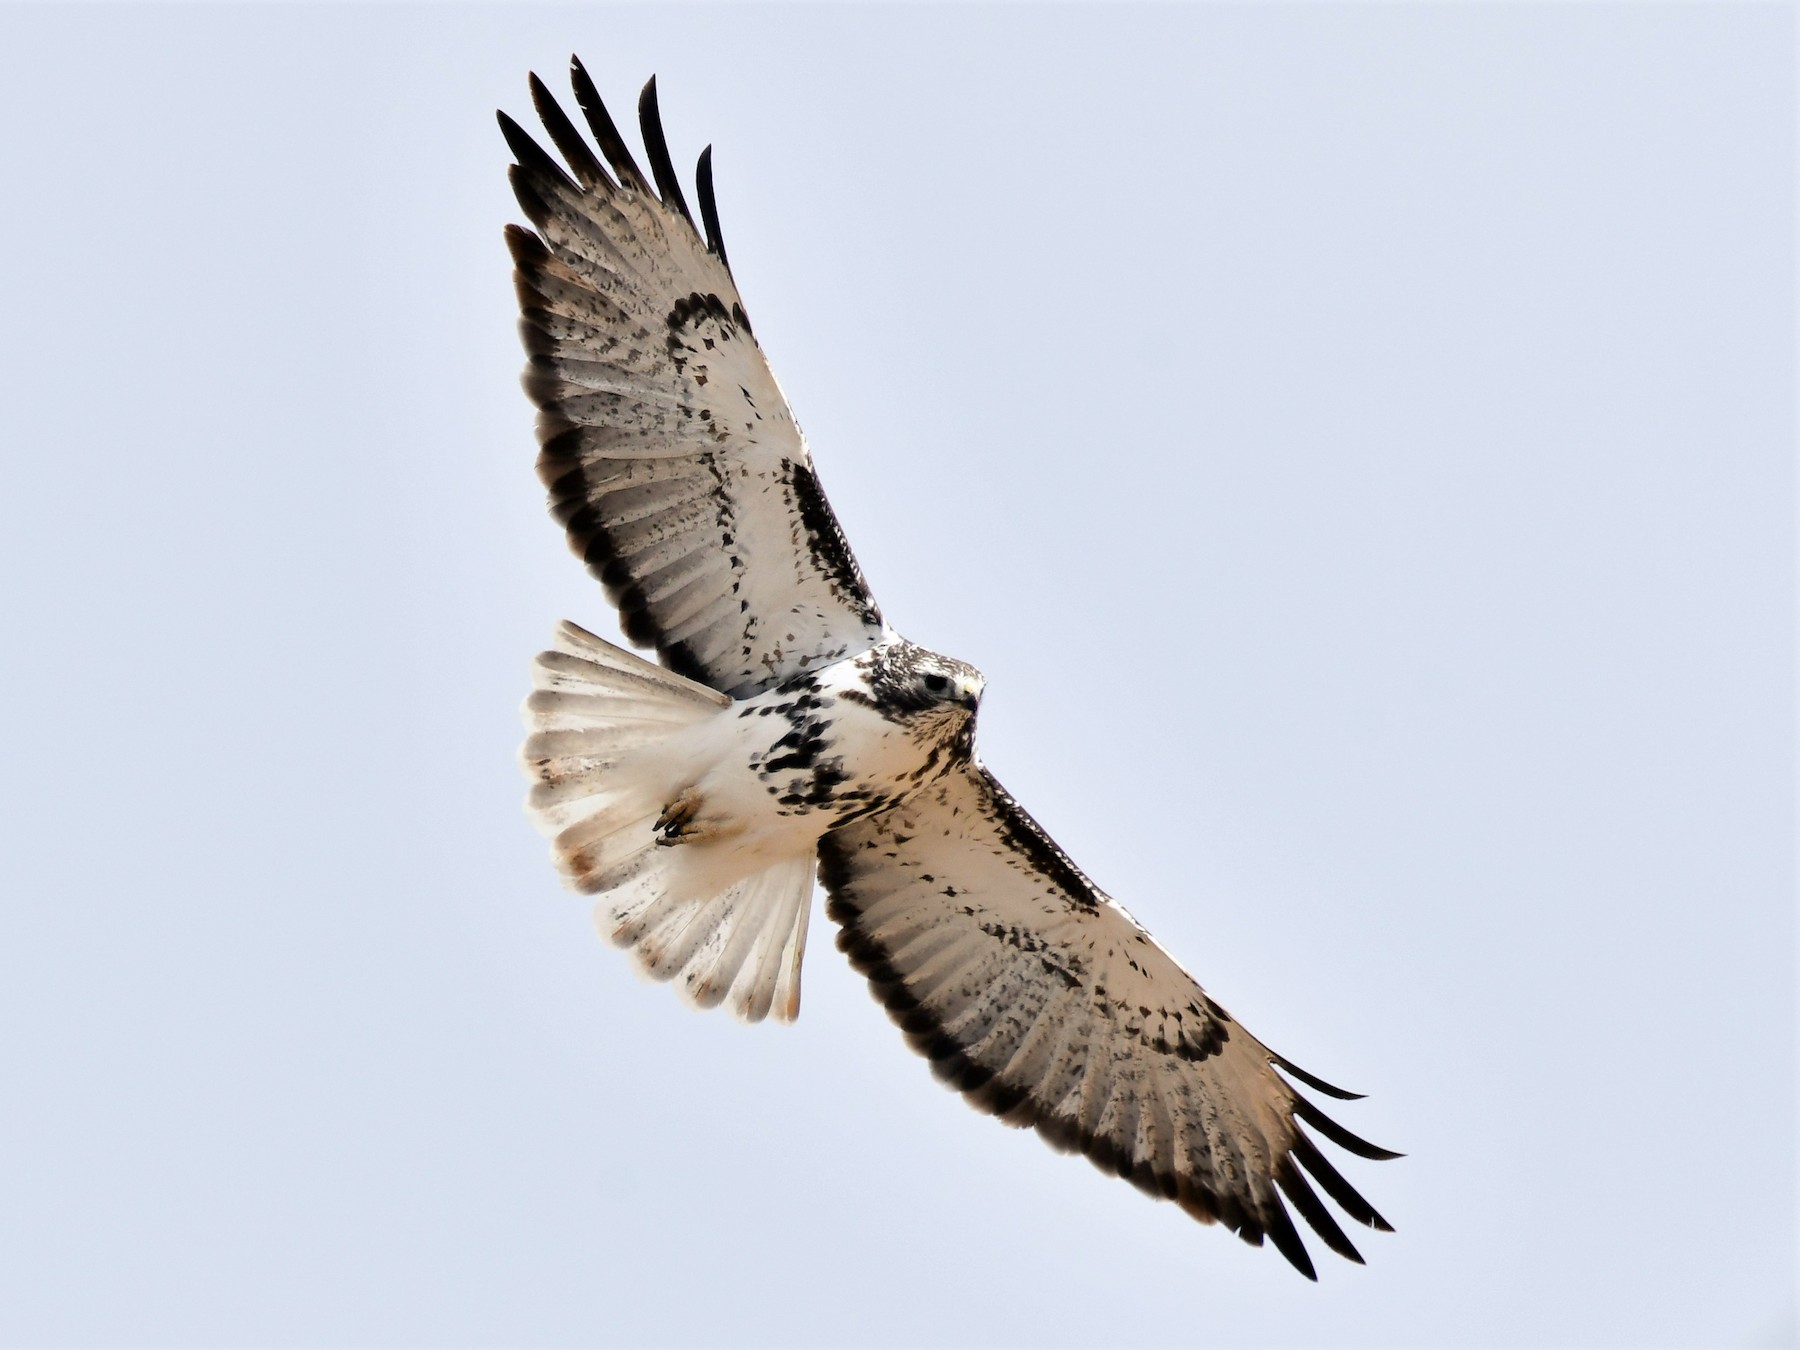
(605, 756)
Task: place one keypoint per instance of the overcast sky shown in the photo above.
(1356, 442)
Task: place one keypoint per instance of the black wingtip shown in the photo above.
(709, 207)
(656, 145)
(1312, 1081)
(1338, 1135)
(1286, 1239)
(563, 135)
(1304, 1199)
(606, 133)
(1349, 1199)
(531, 156)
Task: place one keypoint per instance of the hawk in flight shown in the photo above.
(790, 731)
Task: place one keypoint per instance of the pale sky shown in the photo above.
(1356, 442)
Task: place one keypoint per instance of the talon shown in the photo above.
(672, 825)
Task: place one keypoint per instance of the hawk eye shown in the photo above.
(937, 684)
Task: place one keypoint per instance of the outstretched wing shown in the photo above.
(1045, 1003)
(671, 456)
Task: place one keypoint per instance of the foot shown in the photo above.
(676, 824)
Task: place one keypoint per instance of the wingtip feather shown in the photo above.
(1313, 1080)
(566, 138)
(1304, 1199)
(532, 157)
(1348, 1198)
(606, 132)
(656, 145)
(1344, 1139)
(1286, 1239)
(709, 207)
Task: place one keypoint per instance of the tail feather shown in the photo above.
(717, 962)
(599, 722)
(592, 708)
(664, 947)
(741, 947)
(606, 849)
(776, 979)
(749, 942)
(570, 816)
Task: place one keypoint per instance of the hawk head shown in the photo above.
(923, 689)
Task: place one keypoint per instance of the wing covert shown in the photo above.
(1044, 1003)
(671, 456)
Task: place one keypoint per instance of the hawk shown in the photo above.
(789, 732)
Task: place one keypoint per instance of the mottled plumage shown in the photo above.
(790, 728)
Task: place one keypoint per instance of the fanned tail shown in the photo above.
(603, 756)
(741, 947)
